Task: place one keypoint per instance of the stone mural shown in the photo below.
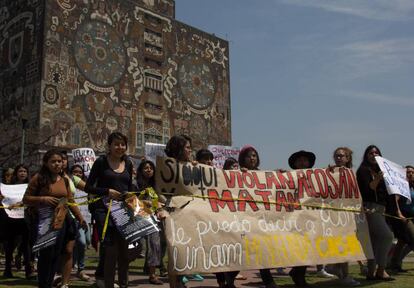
(86, 68)
(21, 25)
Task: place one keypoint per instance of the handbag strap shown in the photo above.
(67, 185)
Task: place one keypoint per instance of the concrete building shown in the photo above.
(76, 70)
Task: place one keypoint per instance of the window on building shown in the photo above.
(152, 108)
(153, 138)
(151, 18)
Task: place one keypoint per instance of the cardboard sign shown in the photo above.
(221, 153)
(233, 220)
(84, 157)
(395, 177)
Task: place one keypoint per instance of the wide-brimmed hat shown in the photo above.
(300, 153)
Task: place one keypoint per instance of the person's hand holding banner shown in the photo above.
(230, 220)
(12, 199)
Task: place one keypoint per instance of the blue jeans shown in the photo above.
(82, 240)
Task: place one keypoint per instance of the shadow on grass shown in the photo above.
(17, 282)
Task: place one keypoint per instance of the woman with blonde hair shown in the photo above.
(343, 158)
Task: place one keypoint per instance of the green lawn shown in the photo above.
(403, 280)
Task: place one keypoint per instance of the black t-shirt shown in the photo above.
(364, 177)
(102, 178)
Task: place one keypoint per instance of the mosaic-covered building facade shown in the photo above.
(78, 70)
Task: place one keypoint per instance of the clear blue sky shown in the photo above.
(316, 74)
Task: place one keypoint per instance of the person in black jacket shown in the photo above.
(179, 148)
(405, 244)
(17, 231)
(375, 200)
(111, 178)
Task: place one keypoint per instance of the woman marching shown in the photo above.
(249, 160)
(111, 178)
(375, 199)
(16, 228)
(67, 257)
(342, 157)
(146, 186)
(83, 238)
(204, 156)
(49, 187)
(7, 174)
(179, 148)
(405, 243)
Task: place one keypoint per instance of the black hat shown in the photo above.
(304, 153)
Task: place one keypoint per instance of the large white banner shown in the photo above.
(152, 150)
(221, 153)
(395, 177)
(13, 194)
(84, 157)
(230, 220)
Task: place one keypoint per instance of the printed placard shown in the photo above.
(130, 224)
(46, 236)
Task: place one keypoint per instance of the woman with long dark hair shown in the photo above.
(83, 238)
(67, 257)
(204, 156)
(146, 186)
(403, 226)
(49, 187)
(179, 148)
(375, 200)
(17, 231)
(231, 164)
(405, 244)
(20, 174)
(6, 177)
(249, 160)
(111, 178)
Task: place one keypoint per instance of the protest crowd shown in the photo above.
(123, 214)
